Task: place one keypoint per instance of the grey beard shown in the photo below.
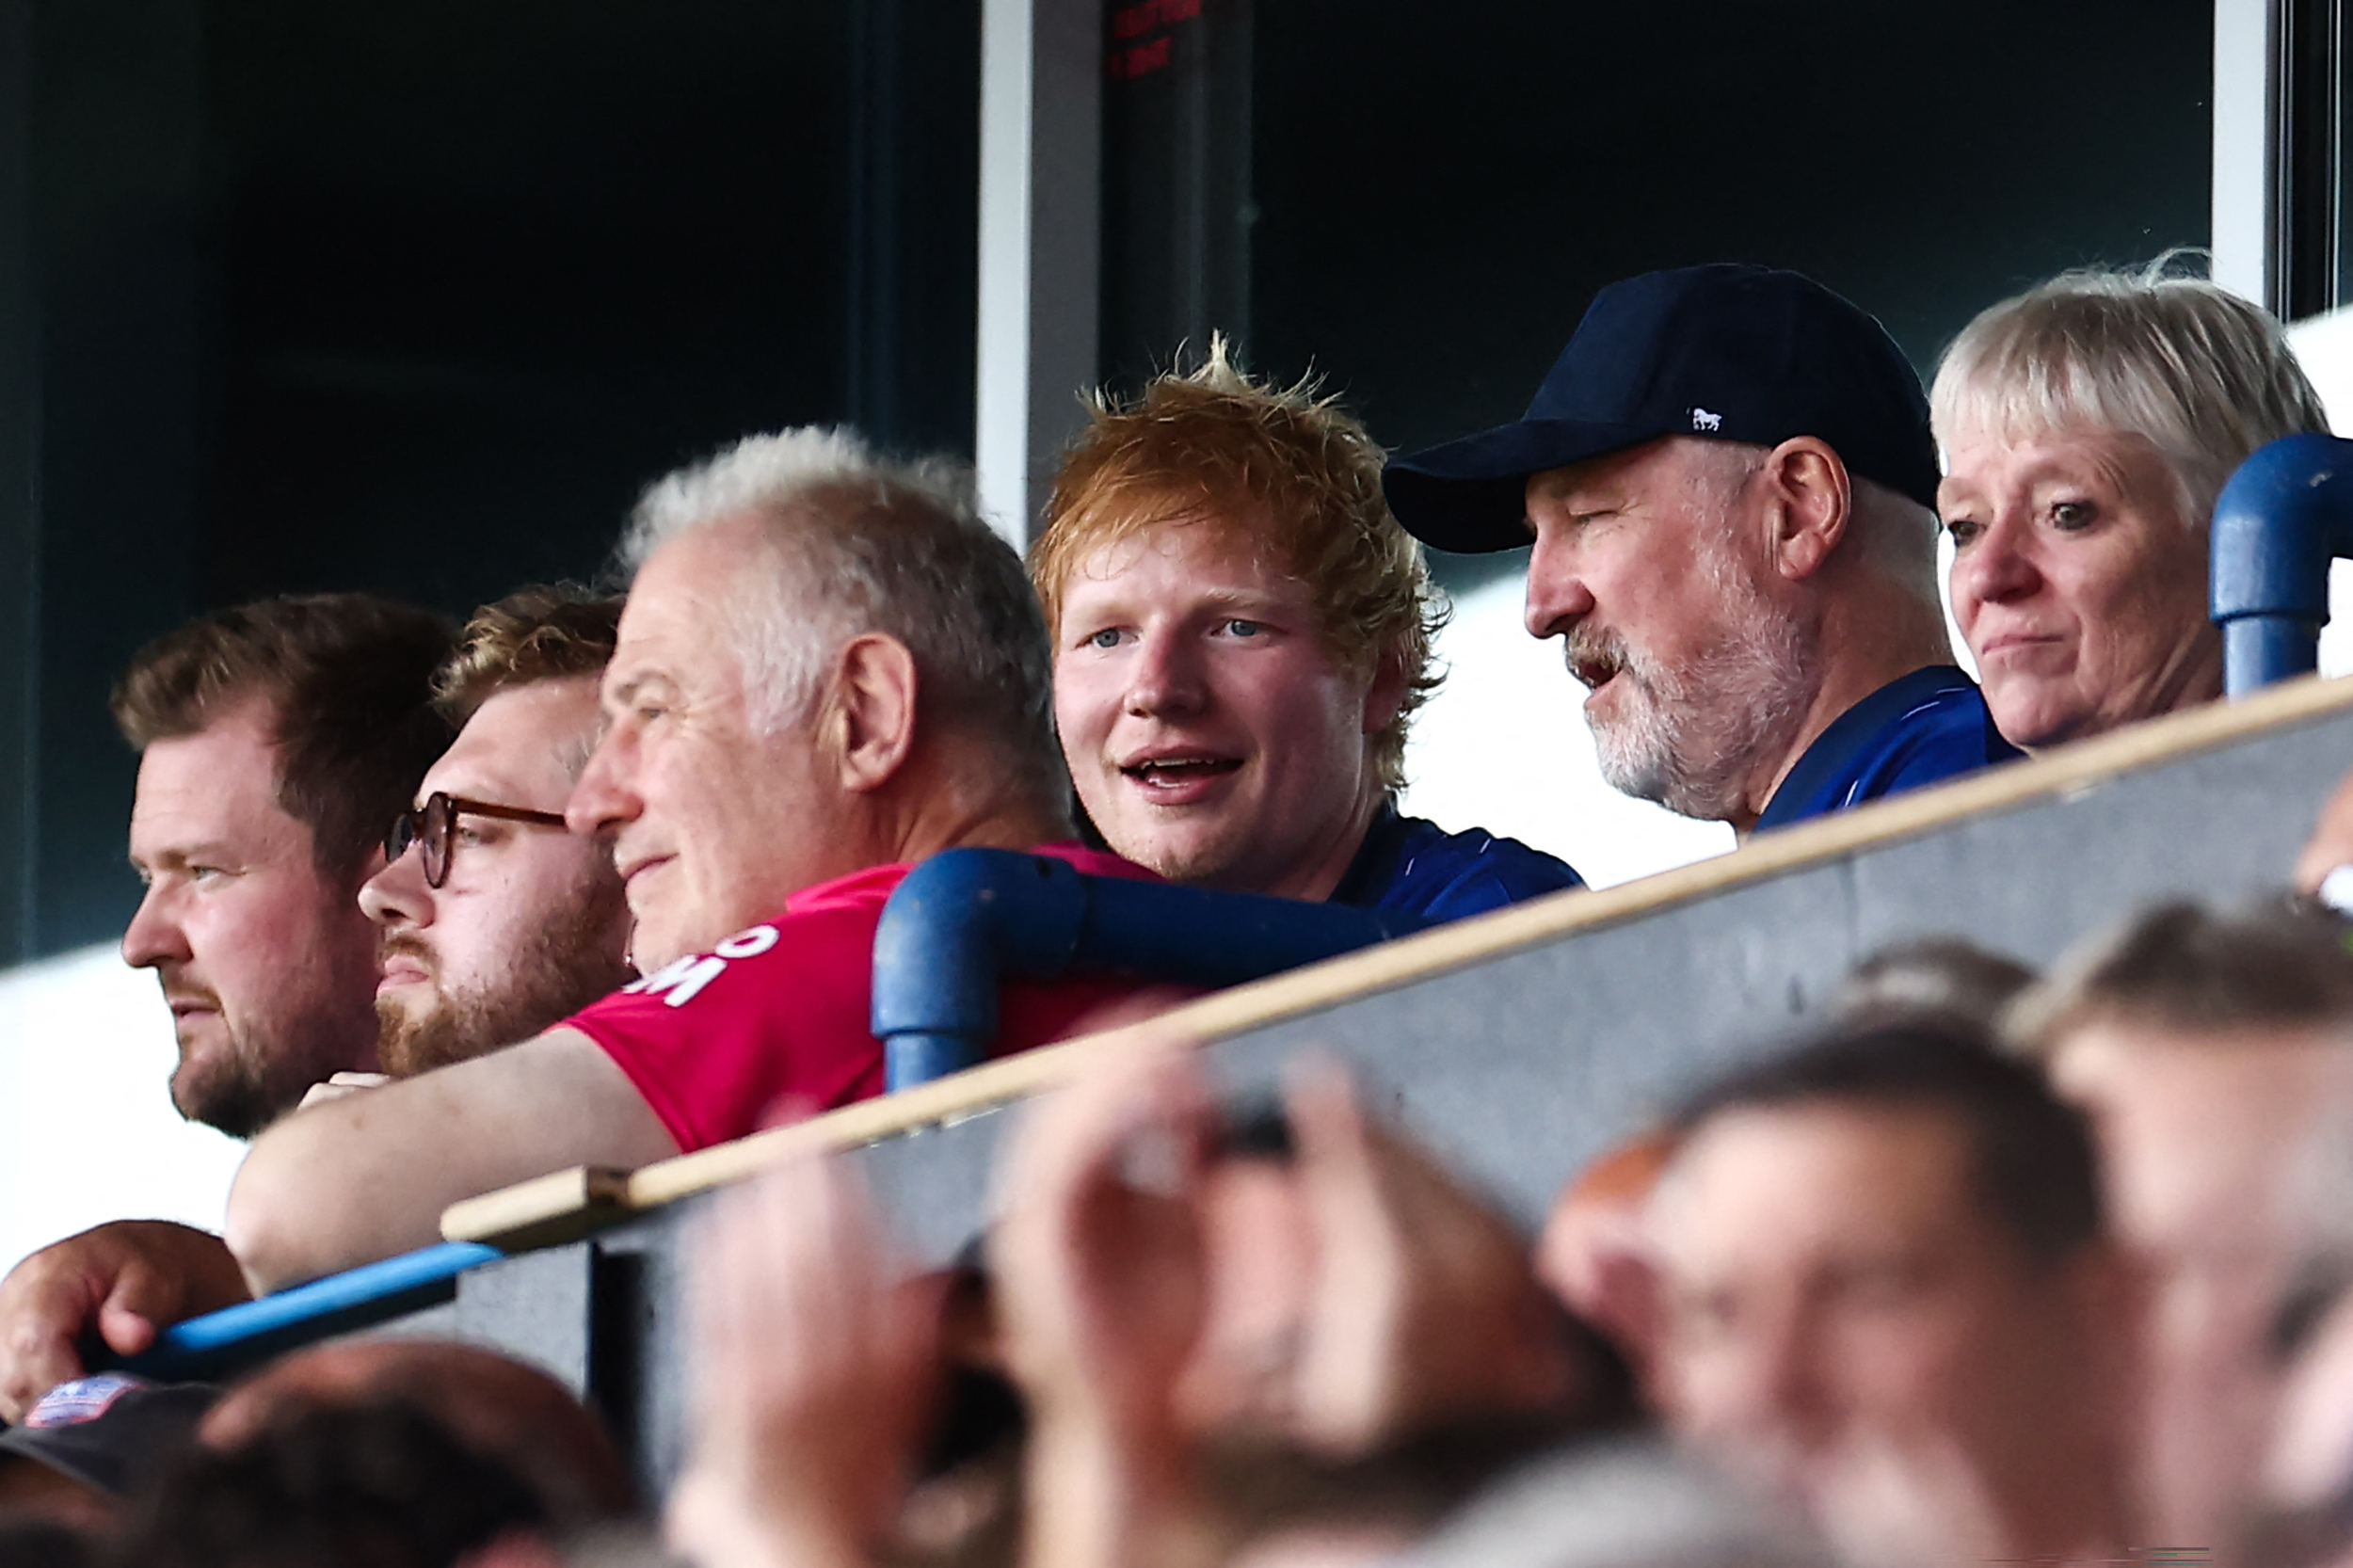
(1694, 739)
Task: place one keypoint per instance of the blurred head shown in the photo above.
(529, 924)
(1693, 615)
(1886, 1298)
(1930, 979)
(821, 647)
(2212, 1050)
(383, 1484)
(277, 741)
(1594, 1252)
(1241, 630)
(513, 1415)
(2088, 427)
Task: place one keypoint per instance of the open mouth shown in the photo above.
(1171, 773)
(1593, 674)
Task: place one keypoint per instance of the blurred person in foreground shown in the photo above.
(1888, 1302)
(829, 668)
(2088, 427)
(274, 739)
(1730, 484)
(1210, 1367)
(501, 1408)
(2301, 1512)
(495, 921)
(1594, 1250)
(2215, 1053)
(380, 1483)
(1242, 634)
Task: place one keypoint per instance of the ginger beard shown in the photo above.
(558, 965)
(1690, 735)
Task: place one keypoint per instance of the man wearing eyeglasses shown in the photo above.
(830, 669)
(497, 922)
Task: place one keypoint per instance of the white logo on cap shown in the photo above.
(1702, 420)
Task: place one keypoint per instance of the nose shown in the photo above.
(1997, 568)
(606, 796)
(1558, 597)
(397, 896)
(154, 937)
(1164, 676)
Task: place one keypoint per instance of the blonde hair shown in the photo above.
(2202, 374)
(547, 632)
(1212, 443)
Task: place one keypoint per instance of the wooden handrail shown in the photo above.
(570, 1203)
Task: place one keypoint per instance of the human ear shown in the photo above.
(1813, 498)
(1386, 694)
(869, 720)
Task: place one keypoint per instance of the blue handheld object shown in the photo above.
(220, 1342)
(967, 919)
(2283, 517)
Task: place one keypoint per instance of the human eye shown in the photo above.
(2072, 515)
(1106, 637)
(1962, 531)
(201, 874)
(1240, 626)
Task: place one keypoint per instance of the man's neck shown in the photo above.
(1320, 872)
(1859, 658)
(969, 802)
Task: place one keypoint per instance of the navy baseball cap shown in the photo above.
(1737, 353)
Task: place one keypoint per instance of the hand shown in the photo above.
(129, 1280)
(1099, 1293)
(2331, 843)
(818, 1366)
(339, 1085)
(1425, 1306)
(1096, 1254)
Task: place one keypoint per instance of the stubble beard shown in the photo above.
(230, 1089)
(1693, 737)
(564, 964)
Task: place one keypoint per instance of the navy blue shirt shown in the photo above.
(1928, 727)
(1415, 867)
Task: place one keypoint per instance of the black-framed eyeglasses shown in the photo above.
(434, 829)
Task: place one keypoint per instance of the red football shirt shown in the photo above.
(784, 1008)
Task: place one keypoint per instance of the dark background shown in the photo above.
(297, 296)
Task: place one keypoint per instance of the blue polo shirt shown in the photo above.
(1923, 729)
(1413, 865)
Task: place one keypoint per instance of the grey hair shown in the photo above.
(1895, 532)
(2205, 375)
(864, 543)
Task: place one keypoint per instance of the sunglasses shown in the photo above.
(434, 829)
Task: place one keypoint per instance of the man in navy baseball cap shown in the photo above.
(1730, 484)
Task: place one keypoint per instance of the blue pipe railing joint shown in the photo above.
(2285, 515)
(966, 920)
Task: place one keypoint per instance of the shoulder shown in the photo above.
(1446, 875)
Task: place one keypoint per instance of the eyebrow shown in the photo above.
(620, 693)
(176, 856)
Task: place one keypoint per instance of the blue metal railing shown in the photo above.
(2283, 517)
(967, 919)
(220, 1343)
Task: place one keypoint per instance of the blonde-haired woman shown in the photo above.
(2087, 427)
